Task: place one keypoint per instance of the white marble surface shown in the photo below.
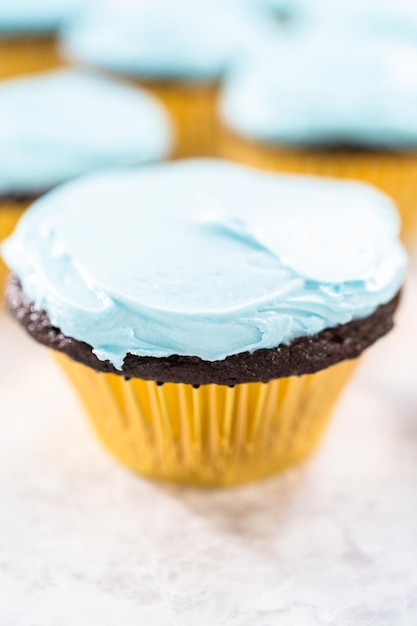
(84, 543)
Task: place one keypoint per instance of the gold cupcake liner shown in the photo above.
(23, 55)
(393, 172)
(10, 214)
(193, 111)
(212, 435)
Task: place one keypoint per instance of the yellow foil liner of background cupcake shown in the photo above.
(10, 213)
(193, 112)
(212, 435)
(393, 172)
(23, 55)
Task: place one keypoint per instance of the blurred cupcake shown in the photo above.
(58, 125)
(207, 324)
(332, 106)
(177, 48)
(27, 34)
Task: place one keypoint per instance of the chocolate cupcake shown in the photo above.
(61, 124)
(211, 324)
(177, 48)
(331, 104)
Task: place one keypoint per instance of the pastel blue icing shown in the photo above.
(272, 6)
(205, 258)
(61, 124)
(35, 16)
(163, 39)
(381, 18)
(324, 88)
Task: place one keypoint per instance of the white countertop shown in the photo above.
(85, 543)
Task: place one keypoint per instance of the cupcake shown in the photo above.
(27, 34)
(210, 325)
(58, 125)
(316, 103)
(177, 48)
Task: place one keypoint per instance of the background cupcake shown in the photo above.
(58, 125)
(27, 34)
(177, 48)
(206, 323)
(322, 103)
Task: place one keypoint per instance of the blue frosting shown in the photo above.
(324, 88)
(163, 39)
(35, 16)
(395, 19)
(205, 258)
(285, 7)
(57, 125)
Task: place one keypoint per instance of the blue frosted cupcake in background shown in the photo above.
(314, 102)
(27, 34)
(57, 125)
(178, 48)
